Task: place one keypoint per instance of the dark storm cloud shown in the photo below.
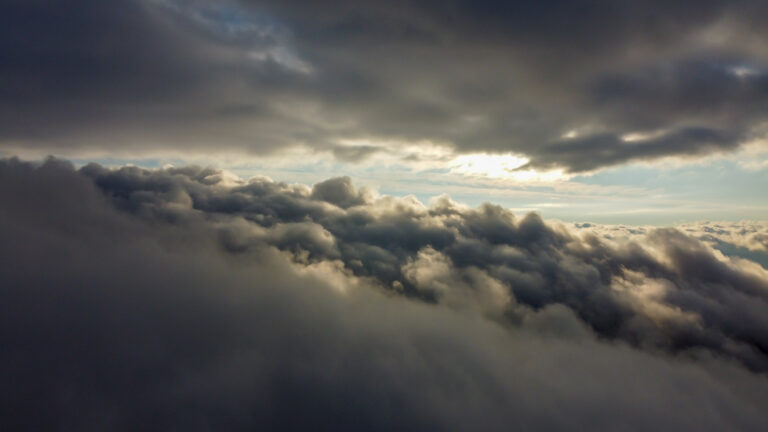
(168, 75)
(137, 71)
(155, 300)
(584, 154)
(691, 88)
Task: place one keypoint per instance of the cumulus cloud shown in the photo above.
(749, 235)
(487, 256)
(180, 298)
(476, 77)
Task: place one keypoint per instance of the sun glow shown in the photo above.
(489, 165)
(643, 136)
(503, 166)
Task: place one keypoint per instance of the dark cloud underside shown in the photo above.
(175, 75)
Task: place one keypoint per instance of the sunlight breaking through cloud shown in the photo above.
(504, 166)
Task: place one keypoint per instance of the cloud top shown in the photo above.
(178, 298)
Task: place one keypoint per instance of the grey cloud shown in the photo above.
(483, 76)
(138, 72)
(118, 317)
(355, 153)
(726, 91)
(657, 289)
(338, 191)
(595, 151)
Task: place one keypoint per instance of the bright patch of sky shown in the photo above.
(670, 192)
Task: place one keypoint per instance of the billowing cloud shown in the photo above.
(485, 255)
(185, 298)
(135, 77)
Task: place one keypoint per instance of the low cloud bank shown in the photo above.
(185, 299)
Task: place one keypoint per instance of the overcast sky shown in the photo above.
(383, 215)
(629, 111)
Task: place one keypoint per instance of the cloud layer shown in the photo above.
(562, 83)
(186, 298)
